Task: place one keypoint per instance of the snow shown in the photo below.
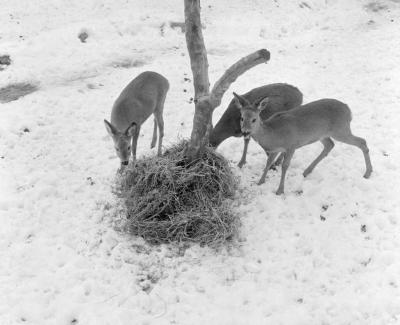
(327, 252)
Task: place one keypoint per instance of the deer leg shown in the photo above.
(134, 142)
(285, 165)
(328, 146)
(160, 123)
(154, 139)
(278, 161)
(243, 159)
(270, 161)
(158, 114)
(360, 143)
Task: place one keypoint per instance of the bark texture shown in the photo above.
(206, 102)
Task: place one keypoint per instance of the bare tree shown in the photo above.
(206, 102)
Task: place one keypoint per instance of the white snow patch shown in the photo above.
(327, 252)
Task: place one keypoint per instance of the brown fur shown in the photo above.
(287, 131)
(281, 96)
(143, 96)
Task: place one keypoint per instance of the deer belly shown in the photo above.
(270, 147)
(310, 140)
(276, 150)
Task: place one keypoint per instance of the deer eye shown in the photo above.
(129, 148)
(254, 120)
(241, 119)
(117, 149)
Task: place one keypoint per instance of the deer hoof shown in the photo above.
(274, 167)
(279, 192)
(367, 174)
(241, 164)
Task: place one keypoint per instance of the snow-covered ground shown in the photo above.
(327, 252)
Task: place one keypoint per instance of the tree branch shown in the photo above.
(236, 70)
(205, 102)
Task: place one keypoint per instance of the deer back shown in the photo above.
(305, 124)
(282, 97)
(139, 99)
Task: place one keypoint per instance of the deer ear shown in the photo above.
(237, 101)
(110, 128)
(243, 101)
(263, 104)
(130, 131)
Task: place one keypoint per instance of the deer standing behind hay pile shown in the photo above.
(143, 96)
(282, 97)
(286, 131)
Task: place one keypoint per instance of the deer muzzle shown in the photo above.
(246, 134)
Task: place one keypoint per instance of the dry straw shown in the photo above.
(169, 200)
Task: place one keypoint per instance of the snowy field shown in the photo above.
(325, 253)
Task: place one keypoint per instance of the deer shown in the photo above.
(282, 97)
(321, 120)
(143, 96)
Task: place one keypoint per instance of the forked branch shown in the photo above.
(236, 70)
(205, 103)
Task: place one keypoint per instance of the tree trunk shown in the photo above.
(199, 65)
(197, 50)
(201, 128)
(205, 103)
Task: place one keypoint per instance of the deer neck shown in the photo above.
(262, 134)
(258, 130)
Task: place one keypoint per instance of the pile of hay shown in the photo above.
(169, 200)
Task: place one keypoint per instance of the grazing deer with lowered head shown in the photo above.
(282, 97)
(143, 96)
(286, 131)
